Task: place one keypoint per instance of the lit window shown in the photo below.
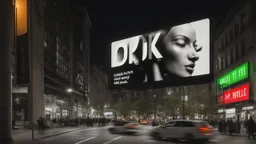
(45, 44)
(219, 59)
(81, 46)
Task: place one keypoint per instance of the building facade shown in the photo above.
(59, 37)
(66, 55)
(234, 45)
(101, 99)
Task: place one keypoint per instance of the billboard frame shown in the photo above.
(194, 80)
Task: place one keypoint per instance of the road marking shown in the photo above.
(92, 134)
(84, 140)
(112, 140)
(54, 137)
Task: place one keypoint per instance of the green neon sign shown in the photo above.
(234, 76)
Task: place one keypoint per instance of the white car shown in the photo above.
(124, 127)
(184, 130)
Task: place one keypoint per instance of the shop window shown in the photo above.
(17, 100)
(64, 113)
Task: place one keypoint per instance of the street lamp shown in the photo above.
(69, 90)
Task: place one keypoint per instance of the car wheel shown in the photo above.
(111, 130)
(189, 137)
(172, 139)
(157, 136)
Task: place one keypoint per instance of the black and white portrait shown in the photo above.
(168, 55)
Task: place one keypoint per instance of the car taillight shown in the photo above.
(205, 129)
(131, 125)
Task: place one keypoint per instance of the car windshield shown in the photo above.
(203, 123)
(120, 123)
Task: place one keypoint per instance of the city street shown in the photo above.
(100, 135)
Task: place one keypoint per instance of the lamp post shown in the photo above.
(183, 103)
(154, 106)
(183, 98)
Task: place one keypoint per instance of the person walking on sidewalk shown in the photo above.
(251, 128)
(39, 124)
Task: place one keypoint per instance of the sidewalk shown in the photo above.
(25, 136)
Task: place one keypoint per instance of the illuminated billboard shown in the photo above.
(234, 76)
(178, 55)
(237, 94)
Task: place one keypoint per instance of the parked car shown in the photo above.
(190, 130)
(124, 127)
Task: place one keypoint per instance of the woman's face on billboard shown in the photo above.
(180, 50)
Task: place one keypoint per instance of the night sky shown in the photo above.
(114, 21)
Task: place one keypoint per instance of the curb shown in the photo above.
(61, 133)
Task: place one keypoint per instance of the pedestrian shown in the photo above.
(224, 126)
(220, 127)
(43, 122)
(251, 128)
(232, 127)
(39, 124)
(238, 126)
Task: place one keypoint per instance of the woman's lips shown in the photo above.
(190, 69)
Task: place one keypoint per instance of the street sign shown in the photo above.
(234, 76)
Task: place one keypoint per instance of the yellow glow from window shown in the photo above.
(22, 18)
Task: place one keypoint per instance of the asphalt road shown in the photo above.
(100, 135)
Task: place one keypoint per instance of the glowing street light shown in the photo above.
(69, 90)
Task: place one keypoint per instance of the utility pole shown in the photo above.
(183, 101)
(30, 88)
(77, 111)
(6, 44)
(155, 107)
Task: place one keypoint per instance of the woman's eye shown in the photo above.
(195, 46)
(180, 42)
